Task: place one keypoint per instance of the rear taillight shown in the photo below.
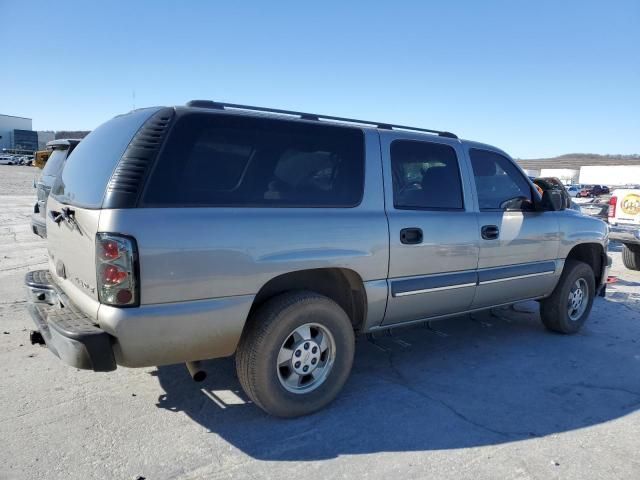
(117, 270)
(612, 206)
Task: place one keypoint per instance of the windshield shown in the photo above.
(54, 164)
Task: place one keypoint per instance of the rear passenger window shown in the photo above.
(499, 183)
(425, 176)
(236, 161)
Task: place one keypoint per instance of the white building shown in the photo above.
(610, 175)
(565, 175)
(17, 132)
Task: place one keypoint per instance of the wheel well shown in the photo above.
(590, 253)
(343, 286)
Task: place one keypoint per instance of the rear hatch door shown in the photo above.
(74, 206)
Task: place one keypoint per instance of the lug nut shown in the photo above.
(298, 353)
(314, 349)
(314, 361)
(297, 365)
(306, 367)
(306, 346)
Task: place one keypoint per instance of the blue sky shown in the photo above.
(536, 78)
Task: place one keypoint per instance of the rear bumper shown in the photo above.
(39, 225)
(67, 332)
(625, 233)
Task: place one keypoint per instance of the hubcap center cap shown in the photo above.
(306, 357)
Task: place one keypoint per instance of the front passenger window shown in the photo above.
(499, 183)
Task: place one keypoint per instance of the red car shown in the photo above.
(593, 191)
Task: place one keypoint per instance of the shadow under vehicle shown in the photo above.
(483, 379)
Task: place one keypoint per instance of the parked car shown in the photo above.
(624, 221)
(598, 190)
(207, 230)
(574, 190)
(594, 191)
(585, 191)
(7, 160)
(60, 150)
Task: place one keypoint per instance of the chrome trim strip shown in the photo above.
(516, 277)
(435, 289)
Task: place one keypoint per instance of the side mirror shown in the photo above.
(552, 200)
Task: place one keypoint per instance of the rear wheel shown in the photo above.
(631, 256)
(568, 307)
(295, 354)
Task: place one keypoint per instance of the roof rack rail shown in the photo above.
(313, 116)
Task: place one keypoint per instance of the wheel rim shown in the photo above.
(578, 299)
(306, 358)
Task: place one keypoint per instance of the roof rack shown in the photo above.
(313, 116)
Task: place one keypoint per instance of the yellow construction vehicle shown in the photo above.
(40, 158)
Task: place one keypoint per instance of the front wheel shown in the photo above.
(568, 307)
(631, 256)
(295, 354)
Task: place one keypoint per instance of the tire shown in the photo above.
(271, 332)
(557, 312)
(631, 256)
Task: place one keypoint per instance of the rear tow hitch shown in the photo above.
(36, 338)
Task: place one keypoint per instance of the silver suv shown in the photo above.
(207, 230)
(60, 150)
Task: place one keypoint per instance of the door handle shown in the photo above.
(411, 236)
(490, 232)
(56, 216)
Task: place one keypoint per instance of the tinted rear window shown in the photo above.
(229, 160)
(87, 171)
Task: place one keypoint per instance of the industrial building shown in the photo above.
(17, 135)
(589, 169)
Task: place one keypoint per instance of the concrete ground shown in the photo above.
(489, 396)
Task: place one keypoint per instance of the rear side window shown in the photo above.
(500, 185)
(87, 171)
(55, 162)
(227, 160)
(425, 176)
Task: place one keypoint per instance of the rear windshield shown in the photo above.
(87, 171)
(54, 163)
(229, 160)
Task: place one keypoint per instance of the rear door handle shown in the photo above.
(56, 216)
(490, 232)
(411, 236)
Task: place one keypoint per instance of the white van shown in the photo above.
(624, 221)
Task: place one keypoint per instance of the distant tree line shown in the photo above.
(71, 134)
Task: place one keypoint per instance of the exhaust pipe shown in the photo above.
(196, 371)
